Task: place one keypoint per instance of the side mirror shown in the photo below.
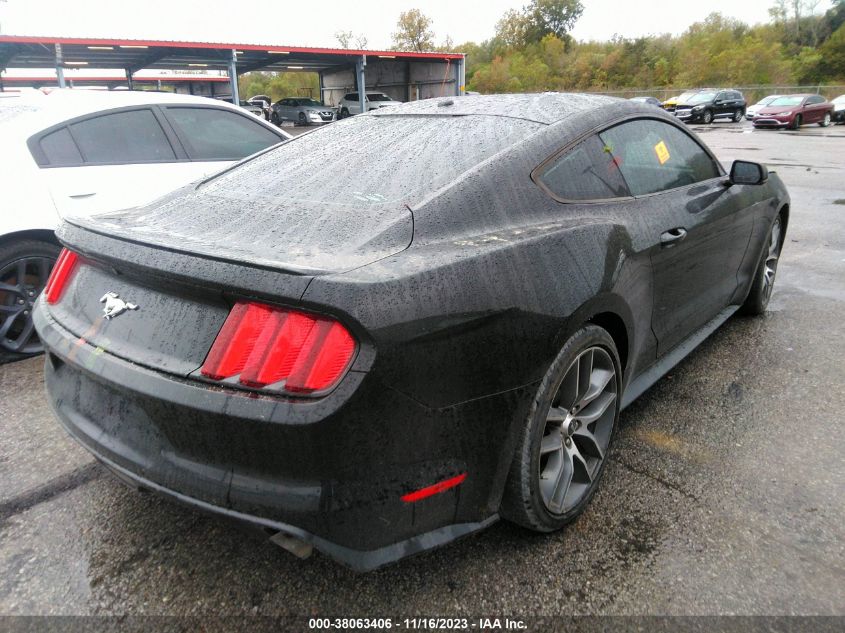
(744, 172)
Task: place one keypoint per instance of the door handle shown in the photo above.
(672, 236)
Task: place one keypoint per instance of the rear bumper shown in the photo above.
(331, 472)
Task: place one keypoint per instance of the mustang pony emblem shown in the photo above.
(114, 305)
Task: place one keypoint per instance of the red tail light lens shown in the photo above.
(264, 345)
(62, 271)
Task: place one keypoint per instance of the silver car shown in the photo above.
(350, 105)
(302, 111)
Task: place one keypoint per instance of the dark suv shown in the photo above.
(706, 105)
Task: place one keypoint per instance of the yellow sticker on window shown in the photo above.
(662, 152)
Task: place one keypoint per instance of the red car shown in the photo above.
(793, 111)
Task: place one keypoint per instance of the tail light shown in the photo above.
(263, 345)
(60, 275)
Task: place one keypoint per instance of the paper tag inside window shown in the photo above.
(662, 152)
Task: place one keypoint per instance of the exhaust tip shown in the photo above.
(295, 546)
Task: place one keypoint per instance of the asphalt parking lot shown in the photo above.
(725, 493)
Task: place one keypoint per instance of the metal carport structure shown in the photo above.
(417, 75)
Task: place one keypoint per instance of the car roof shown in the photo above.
(546, 107)
(43, 111)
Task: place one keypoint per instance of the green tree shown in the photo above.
(413, 32)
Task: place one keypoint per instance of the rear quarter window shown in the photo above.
(586, 171)
(59, 149)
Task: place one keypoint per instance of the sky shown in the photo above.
(310, 23)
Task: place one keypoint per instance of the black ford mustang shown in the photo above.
(386, 334)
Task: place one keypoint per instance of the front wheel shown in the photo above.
(796, 122)
(24, 269)
(565, 441)
(344, 113)
(301, 120)
(274, 118)
(737, 116)
(764, 278)
(826, 120)
(707, 117)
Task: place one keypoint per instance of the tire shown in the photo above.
(32, 260)
(764, 275)
(738, 116)
(534, 495)
(826, 121)
(796, 122)
(707, 117)
(274, 118)
(344, 113)
(301, 120)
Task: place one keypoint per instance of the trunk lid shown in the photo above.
(180, 301)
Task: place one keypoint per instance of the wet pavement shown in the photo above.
(725, 493)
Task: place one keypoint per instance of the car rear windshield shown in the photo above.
(377, 96)
(787, 101)
(701, 97)
(371, 160)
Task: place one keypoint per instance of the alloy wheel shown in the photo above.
(770, 266)
(577, 430)
(21, 281)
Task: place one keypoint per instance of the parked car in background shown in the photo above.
(649, 100)
(839, 109)
(439, 330)
(670, 104)
(253, 108)
(264, 101)
(793, 111)
(302, 111)
(707, 105)
(350, 104)
(752, 110)
(80, 152)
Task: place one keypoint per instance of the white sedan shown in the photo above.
(78, 152)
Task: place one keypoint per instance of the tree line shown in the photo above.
(533, 51)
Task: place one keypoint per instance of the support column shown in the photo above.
(360, 65)
(322, 87)
(130, 84)
(60, 73)
(233, 77)
(462, 77)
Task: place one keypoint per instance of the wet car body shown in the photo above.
(458, 286)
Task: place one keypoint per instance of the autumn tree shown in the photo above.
(413, 32)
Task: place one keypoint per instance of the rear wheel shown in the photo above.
(826, 120)
(566, 439)
(737, 115)
(24, 268)
(764, 277)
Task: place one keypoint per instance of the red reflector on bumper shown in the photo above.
(434, 489)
